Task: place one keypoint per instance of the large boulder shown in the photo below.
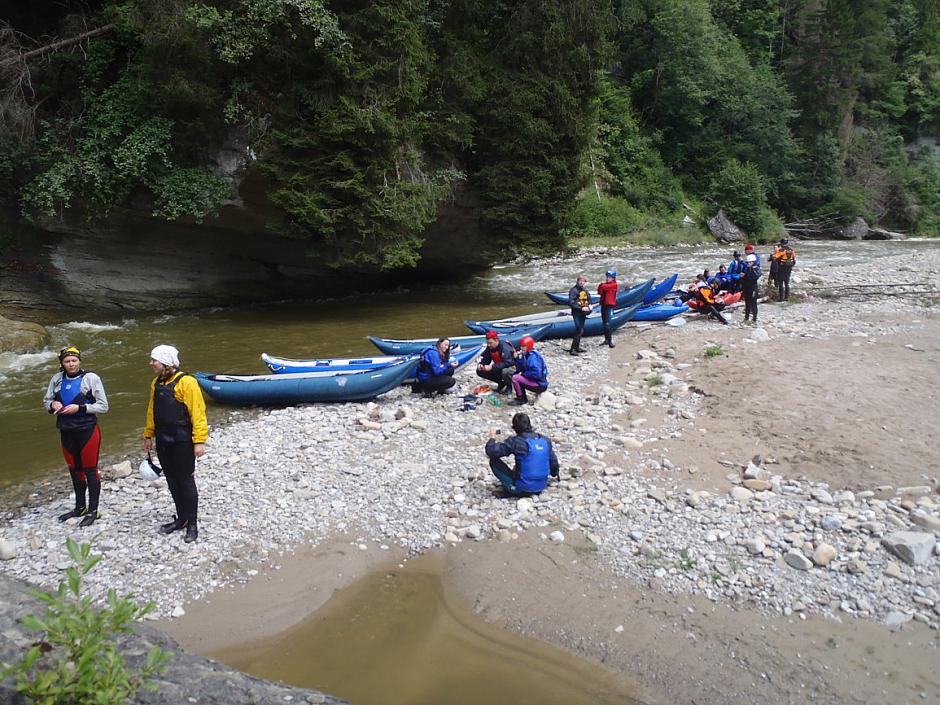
(912, 547)
(856, 230)
(22, 336)
(725, 230)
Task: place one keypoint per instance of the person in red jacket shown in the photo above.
(608, 293)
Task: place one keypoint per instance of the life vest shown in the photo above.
(584, 298)
(170, 416)
(707, 295)
(787, 257)
(497, 355)
(534, 465)
(70, 392)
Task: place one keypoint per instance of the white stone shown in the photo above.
(759, 335)
(755, 546)
(546, 401)
(795, 559)
(556, 536)
(177, 612)
(7, 550)
(741, 494)
(824, 554)
(912, 547)
(120, 470)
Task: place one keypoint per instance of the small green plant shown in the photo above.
(655, 380)
(77, 660)
(685, 562)
(714, 351)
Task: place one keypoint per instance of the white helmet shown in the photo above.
(149, 470)
(751, 258)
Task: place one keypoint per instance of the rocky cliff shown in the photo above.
(132, 261)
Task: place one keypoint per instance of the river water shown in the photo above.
(231, 339)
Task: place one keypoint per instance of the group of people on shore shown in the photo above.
(740, 280)
(175, 427)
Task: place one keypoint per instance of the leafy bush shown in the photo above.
(714, 351)
(740, 190)
(78, 661)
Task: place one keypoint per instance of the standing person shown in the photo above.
(436, 369)
(176, 419)
(774, 267)
(76, 397)
(532, 373)
(498, 357)
(608, 293)
(750, 283)
(786, 260)
(749, 250)
(580, 302)
(534, 455)
(735, 271)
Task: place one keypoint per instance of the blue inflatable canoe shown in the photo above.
(628, 297)
(391, 346)
(560, 323)
(304, 387)
(659, 312)
(283, 365)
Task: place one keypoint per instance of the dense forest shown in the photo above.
(562, 117)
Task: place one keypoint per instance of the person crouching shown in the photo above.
(531, 371)
(535, 458)
(436, 369)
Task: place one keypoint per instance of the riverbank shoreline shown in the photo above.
(647, 501)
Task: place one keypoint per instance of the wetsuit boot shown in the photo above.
(79, 487)
(91, 516)
(192, 531)
(519, 401)
(93, 480)
(172, 526)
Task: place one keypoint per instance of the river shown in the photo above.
(231, 339)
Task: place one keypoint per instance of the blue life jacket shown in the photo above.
(534, 465)
(431, 364)
(70, 392)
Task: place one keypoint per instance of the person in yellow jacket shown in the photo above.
(176, 421)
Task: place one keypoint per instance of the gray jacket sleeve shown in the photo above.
(50, 392)
(92, 385)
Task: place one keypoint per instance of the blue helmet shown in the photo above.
(612, 273)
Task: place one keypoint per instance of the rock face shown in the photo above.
(723, 229)
(122, 262)
(21, 336)
(187, 678)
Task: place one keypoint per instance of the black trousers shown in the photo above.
(783, 283)
(579, 319)
(179, 467)
(494, 375)
(440, 383)
(606, 313)
(750, 301)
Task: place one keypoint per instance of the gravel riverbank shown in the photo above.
(411, 472)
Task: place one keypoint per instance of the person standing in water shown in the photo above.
(76, 397)
(176, 420)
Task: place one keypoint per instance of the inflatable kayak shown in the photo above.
(625, 298)
(391, 346)
(560, 323)
(659, 312)
(283, 365)
(726, 299)
(304, 387)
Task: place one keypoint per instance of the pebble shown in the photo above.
(795, 559)
(7, 550)
(556, 536)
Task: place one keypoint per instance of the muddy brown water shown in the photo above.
(396, 637)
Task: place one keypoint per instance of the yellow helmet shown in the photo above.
(70, 351)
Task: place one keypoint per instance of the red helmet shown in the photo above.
(749, 248)
(491, 334)
(527, 341)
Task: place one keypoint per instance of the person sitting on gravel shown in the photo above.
(535, 459)
(496, 364)
(436, 369)
(531, 371)
(708, 303)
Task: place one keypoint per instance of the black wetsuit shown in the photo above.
(174, 439)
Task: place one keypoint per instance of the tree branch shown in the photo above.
(56, 46)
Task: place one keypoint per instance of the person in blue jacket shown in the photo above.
(535, 459)
(531, 371)
(736, 271)
(436, 369)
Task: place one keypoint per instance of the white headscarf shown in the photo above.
(166, 355)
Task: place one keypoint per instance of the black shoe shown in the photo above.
(192, 533)
(502, 389)
(581, 350)
(89, 519)
(428, 395)
(573, 351)
(518, 401)
(610, 343)
(77, 512)
(172, 526)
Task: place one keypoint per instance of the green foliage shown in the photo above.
(739, 189)
(714, 351)
(78, 660)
